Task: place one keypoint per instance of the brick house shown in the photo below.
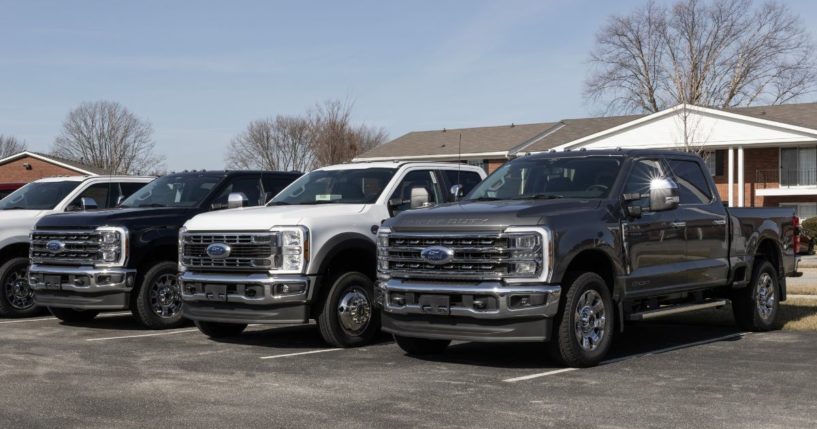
(759, 156)
(25, 167)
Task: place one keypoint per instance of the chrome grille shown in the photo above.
(477, 256)
(79, 247)
(248, 251)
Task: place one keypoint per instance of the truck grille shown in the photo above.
(70, 247)
(476, 256)
(248, 251)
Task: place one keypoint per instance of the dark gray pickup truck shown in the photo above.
(565, 247)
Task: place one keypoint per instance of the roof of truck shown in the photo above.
(84, 178)
(612, 152)
(392, 164)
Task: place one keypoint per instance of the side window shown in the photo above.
(692, 184)
(98, 192)
(122, 189)
(249, 186)
(642, 173)
(274, 185)
(422, 179)
(468, 180)
(128, 188)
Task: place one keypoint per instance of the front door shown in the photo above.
(655, 242)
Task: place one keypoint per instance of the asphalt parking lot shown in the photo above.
(112, 373)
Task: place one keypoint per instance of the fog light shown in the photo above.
(398, 299)
(479, 304)
(290, 289)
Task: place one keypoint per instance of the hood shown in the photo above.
(488, 215)
(265, 217)
(130, 217)
(20, 215)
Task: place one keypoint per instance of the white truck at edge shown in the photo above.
(21, 210)
(310, 253)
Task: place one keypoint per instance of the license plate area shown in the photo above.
(435, 304)
(216, 292)
(52, 282)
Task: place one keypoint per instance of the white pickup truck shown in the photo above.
(310, 253)
(21, 210)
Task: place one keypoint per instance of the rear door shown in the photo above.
(707, 253)
(654, 243)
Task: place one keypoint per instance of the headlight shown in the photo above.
(383, 252)
(182, 230)
(113, 246)
(293, 249)
(530, 250)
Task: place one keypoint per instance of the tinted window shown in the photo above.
(38, 196)
(693, 187)
(181, 190)
(412, 180)
(638, 182)
(273, 185)
(468, 180)
(353, 186)
(99, 193)
(249, 186)
(129, 188)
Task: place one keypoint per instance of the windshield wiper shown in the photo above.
(151, 205)
(540, 197)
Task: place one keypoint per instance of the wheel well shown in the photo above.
(13, 251)
(593, 261)
(346, 259)
(156, 255)
(768, 250)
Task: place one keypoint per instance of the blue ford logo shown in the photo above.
(55, 246)
(218, 250)
(437, 255)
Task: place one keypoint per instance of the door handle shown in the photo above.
(719, 221)
(678, 224)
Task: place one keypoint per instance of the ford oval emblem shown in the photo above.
(55, 246)
(218, 250)
(437, 255)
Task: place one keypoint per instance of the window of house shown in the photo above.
(802, 210)
(798, 166)
(714, 162)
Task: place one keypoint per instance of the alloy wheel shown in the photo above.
(165, 296)
(354, 310)
(590, 320)
(18, 293)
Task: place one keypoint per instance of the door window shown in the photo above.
(249, 186)
(468, 180)
(98, 192)
(642, 173)
(423, 179)
(693, 186)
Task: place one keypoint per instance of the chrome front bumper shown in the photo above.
(486, 300)
(252, 289)
(82, 279)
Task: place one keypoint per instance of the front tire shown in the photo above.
(221, 330)
(421, 346)
(17, 298)
(348, 318)
(755, 306)
(159, 300)
(584, 326)
(69, 315)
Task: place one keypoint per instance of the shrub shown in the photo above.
(810, 226)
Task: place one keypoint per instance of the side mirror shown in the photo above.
(236, 200)
(456, 192)
(84, 203)
(419, 197)
(663, 194)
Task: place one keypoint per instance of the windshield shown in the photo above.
(185, 190)
(530, 178)
(38, 196)
(354, 186)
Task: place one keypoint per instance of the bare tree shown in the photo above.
(106, 135)
(720, 53)
(280, 143)
(9, 145)
(335, 139)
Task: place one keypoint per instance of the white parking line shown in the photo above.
(27, 320)
(154, 334)
(300, 354)
(626, 358)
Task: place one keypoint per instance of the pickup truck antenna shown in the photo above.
(459, 159)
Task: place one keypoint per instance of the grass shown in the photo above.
(795, 314)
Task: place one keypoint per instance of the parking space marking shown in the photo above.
(300, 353)
(27, 320)
(154, 334)
(626, 358)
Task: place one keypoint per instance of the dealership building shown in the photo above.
(762, 156)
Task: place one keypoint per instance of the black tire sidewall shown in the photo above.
(6, 310)
(564, 345)
(329, 322)
(142, 308)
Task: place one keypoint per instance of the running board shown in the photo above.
(650, 314)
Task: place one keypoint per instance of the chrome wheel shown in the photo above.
(18, 294)
(590, 320)
(354, 310)
(165, 297)
(765, 296)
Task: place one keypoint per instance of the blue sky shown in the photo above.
(200, 71)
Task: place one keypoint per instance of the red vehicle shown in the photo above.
(7, 188)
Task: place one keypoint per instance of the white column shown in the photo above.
(740, 177)
(731, 182)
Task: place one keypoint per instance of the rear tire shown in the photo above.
(755, 306)
(69, 315)
(221, 330)
(16, 297)
(159, 300)
(348, 318)
(583, 327)
(421, 346)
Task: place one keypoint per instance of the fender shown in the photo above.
(337, 244)
(573, 242)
